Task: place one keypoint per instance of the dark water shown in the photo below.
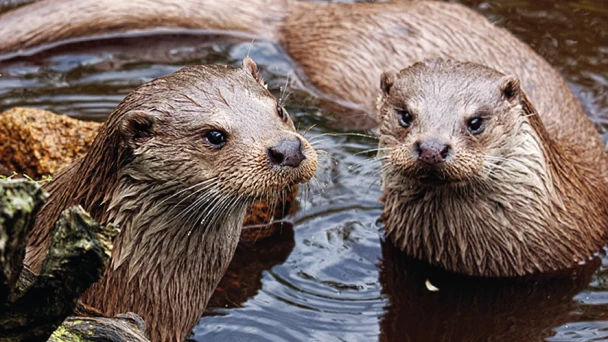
(329, 278)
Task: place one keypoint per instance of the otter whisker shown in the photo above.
(311, 139)
(302, 195)
(323, 153)
(219, 212)
(188, 188)
(373, 183)
(251, 44)
(375, 150)
(318, 142)
(192, 204)
(287, 96)
(284, 88)
(224, 208)
(197, 204)
(316, 185)
(193, 193)
(271, 211)
(308, 130)
(374, 177)
(371, 161)
(217, 205)
(263, 225)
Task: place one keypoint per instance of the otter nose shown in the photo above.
(287, 153)
(432, 152)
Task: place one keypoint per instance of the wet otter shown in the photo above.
(475, 183)
(175, 167)
(341, 48)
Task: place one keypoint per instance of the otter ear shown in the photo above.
(252, 68)
(136, 128)
(510, 89)
(387, 79)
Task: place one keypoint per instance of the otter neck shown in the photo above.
(73, 19)
(165, 264)
(521, 219)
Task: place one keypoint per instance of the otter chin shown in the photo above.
(175, 167)
(475, 183)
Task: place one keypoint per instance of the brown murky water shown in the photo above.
(329, 277)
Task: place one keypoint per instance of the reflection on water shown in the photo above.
(465, 309)
(329, 277)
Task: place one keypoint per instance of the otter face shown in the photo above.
(217, 131)
(446, 123)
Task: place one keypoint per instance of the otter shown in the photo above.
(175, 167)
(341, 49)
(476, 183)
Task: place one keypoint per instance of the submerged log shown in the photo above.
(33, 306)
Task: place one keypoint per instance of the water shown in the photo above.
(329, 277)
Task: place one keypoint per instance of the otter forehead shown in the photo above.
(203, 96)
(440, 92)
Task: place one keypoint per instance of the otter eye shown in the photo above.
(405, 118)
(282, 113)
(216, 138)
(475, 125)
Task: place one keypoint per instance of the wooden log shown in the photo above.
(32, 306)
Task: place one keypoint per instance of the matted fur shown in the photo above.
(178, 200)
(515, 199)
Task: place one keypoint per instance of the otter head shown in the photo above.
(444, 123)
(467, 182)
(215, 135)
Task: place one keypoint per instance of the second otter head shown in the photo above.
(442, 128)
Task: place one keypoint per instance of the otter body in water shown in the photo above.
(341, 48)
(473, 181)
(175, 167)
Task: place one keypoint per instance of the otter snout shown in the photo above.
(287, 152)
(432, 152)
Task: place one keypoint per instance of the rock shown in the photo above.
(38, 143)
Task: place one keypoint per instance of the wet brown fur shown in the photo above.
(178, 200)
(519, 198)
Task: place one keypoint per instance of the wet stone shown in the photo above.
(38, 142)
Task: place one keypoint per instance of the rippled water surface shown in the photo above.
(329, 278)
